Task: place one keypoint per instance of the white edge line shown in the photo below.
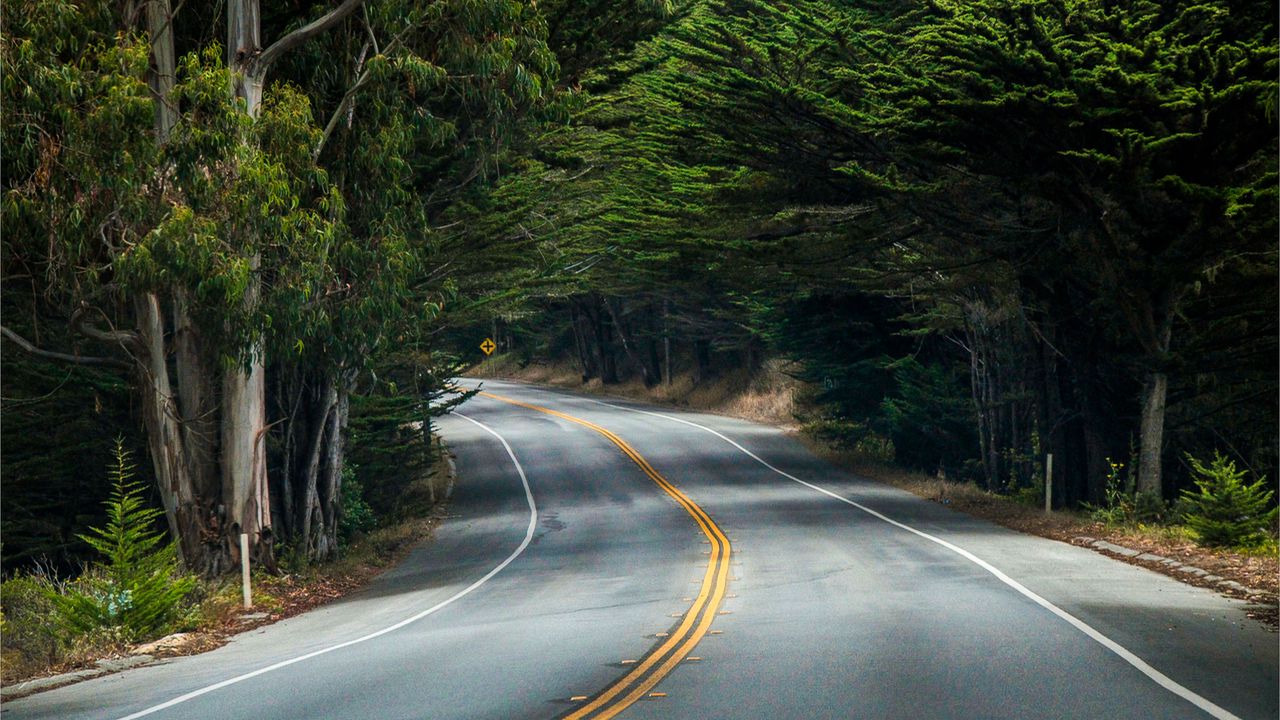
(528, 537)
(1160, 678)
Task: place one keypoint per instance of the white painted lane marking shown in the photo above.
(528, 537)
(1160, 678)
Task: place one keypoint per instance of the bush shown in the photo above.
(29, 624)
(139, 588)
(851, 436)
(1224, 510)
(1147, 507)
(356, 516)
(1121, 505)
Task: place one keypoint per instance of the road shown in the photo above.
(654, 564)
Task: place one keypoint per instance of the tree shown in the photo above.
(1134, 135)
(198, 225)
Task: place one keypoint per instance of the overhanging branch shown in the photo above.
(127, 339)
(305, 33)
(31, 349)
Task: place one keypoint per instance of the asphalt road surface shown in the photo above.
(606, 559)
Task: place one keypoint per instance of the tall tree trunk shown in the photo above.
(581, 342)
(244, 462)
(244, 388)
(330, 481)
(978, 392)
(602, 330)
(666, 341)
(244, 418)
(196, 399)
(289, 397)
(163, 73)
(180, 435)
(1155, 391)
(191, 523)
(319, 416)
(702, 353)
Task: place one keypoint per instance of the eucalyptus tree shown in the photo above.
(156, 204)
(420, 101)
(172, 207)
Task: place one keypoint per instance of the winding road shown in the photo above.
(605, 558)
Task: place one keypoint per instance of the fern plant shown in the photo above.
(139, 587)
(1225, 510)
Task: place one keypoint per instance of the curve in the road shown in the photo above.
(528, 537)
(1124, 653)
(673, 649)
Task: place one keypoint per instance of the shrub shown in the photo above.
(29, 623)
(1122, 505)
(851, 436)
(1146, 507)
(138, 588)
(1224, 510)
(356, 516)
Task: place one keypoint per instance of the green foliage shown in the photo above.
(929, 417)
(357, 516)
(137, 587)
(389, 448)
(29, 621)
(1032, 494)
(852, 437)
(1224, 510)
(1121, 504)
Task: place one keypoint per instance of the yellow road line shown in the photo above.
(641, 679)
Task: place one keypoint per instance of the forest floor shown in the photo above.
(768, 397)
(220, 614)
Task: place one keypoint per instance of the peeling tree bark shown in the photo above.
(244, 426)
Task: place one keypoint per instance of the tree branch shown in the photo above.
(62, 357)
(305, 33)
(348, 98)
(337, 115)
(127, 339)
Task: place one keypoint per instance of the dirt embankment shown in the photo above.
(766, 396)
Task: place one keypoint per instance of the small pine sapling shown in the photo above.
(1224, 510)
(139, 587)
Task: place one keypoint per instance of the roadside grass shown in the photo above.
(34, 645)
(765, 396)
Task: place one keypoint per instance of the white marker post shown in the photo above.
(244, 571)
(1048, 483)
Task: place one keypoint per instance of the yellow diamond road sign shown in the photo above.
(488, 347)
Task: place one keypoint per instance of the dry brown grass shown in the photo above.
(766, 396)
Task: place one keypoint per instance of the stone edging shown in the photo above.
(1206, 576)
(103, 667)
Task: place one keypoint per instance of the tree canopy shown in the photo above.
(983, 231)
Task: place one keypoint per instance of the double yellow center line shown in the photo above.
(666, 655)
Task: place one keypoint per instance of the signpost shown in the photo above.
(1048, 483)
(244, 571)
(487, 347)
